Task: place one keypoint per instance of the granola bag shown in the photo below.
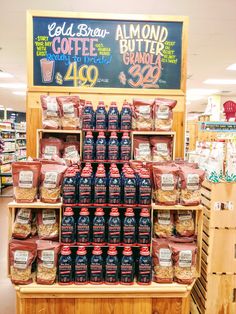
(191, 181)
(184, 259)
(21, 256)
(51, 179)
(230, 167)
(161, 148)
(70, 111)
(47, 256)
(25, 180)
(51, 115)
(71, 151)
(162, 261)
(48, 224)
(22, 224)
(166, 185)
(142, 114)
(164, 224)
(184, 223)
(163, 114)
(142, 148)
(50, 148)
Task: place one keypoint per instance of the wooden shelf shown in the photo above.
(59, 131)
(171, 133)
(37, 204)
(176, 207)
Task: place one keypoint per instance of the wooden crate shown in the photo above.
(215, 294)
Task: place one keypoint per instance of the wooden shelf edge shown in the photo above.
(34, 205)
(59, 131)
(176, 207)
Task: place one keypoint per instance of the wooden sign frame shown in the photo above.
(97, 16)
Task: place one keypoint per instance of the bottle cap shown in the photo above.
(70, 172)
(88, 103)
(114, 173)
(114, 212)
(144, 251)
(86, 173)
(97, 250)
(143, 173)
(101, 103)
(113, 135)
(100, 173)
(84, 211)
(113, 104)
(112, 251)
(89, 134)
(101, 135)
(99, 212)
(129, 212)
(125, 135)
(65, 250)
(126, 104)
(88, 165)
(144, 212)
(129, 173)
(127, 251)
(81, 250)
(68, 211)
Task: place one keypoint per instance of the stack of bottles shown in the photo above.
(101, 119)
(100, 229)
(109, 268)
(107, 187)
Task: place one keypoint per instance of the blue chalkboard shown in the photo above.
(78, 52)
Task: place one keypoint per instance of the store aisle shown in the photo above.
(7, 293)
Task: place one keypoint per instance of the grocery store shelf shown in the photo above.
(20, 158)
(153, 133)
(6, 130)
(5, 174)
(21, 147)
(21, 138)
(104, 161)
(176, 207)
(8, 139)
(20, 131)
(59, 131)
(6, 184)
(106, 131)
(7, 162)
(8, 151)
(37, 204)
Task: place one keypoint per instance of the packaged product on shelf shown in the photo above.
(101, 147)
(114, 187)
(100, 186)
(162, 261)
(71, 151)
(47, 255)
(129, 227)
(112, 267)
(214, 163)
(65, 267)
(83, 227)
(142, 148)
(184, 259)
(85, 186)
(142, 114)
(144, 227)
(97, 266)
(144, 187)
(164, 223)
(34, 227)
(127, 267)
(230, 167)
(69, 185)
(125, 147)
(68, 228)
(126, 117)
(70, 112)
(81, 266)
(98, 227)
(113, 147)
(184, 223)
(25, 180)
(88, 116)
(163, 114)
(50, 148)
(166, 185)
(88, 147)
(114, 227)
(22, 253)
(113, 117)
(51, 114)
(129, 184)
(51, 180)
(101, 116)
(161, 148)
(191, 180)
(22, 224)
(48, 224)
(144, 267)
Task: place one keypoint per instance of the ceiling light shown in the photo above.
(5, 75)
(232, 67)
(202, 91)
(9, 109)
(188, 102)
(1, 108)
(19, 93)
(13, 85)
(194, 97)
(220, 82)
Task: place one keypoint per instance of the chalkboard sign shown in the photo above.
(106, 53)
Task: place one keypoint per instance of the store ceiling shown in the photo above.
(212, 40)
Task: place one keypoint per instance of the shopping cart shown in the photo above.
(230, 110)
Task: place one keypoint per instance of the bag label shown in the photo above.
(26, 179)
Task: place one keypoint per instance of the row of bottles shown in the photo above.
(111, 120)
(102, 149)
(99, 269)
(99, 230)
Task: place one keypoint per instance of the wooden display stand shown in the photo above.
(214, 291)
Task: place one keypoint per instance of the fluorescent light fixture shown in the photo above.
(194, 97)
(231, 67)
(202, 91)
(220, 82)
(10, 109)
(19, 93)
(5, 75)
(13, 85)
(1, 108)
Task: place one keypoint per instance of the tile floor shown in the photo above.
(7, 292)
